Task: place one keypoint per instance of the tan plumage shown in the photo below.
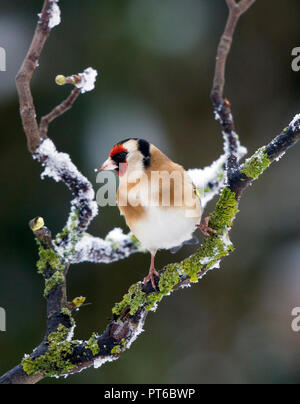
(162, 214)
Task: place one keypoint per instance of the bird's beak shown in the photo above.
(109, 164)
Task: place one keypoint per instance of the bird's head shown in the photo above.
(129, 154)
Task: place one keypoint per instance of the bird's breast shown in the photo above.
(164, 228)
(160, 217)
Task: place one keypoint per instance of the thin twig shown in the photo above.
(124, 327)
(24, 76)
(222, 107)
(273, 150)
(33, 132)
(58, 111)
(79, 185)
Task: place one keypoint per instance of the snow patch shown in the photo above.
(117, 236)
(185, 285)
(225, 238)
(137, 331)
(71, 333)
(211, 179)
(100, 361)
(216, 265)
(95, 249)
(59, 167)
(88, 79)
(295, 120)
(54, 19)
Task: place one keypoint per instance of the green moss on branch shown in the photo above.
(116, 350)
(48, 257)
(211, 251)
(92, 344)
(54, 361)
(50, 265)
(56, 279)
(135, 298)
(257, 164)
(226, 209)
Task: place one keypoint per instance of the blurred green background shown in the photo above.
(155, 61)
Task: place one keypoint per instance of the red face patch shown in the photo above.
(118, 148)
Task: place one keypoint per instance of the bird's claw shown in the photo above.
(205, 229)
(151, 277)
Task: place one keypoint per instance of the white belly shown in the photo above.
(165, 228)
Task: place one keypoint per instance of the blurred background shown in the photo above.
(155, 62)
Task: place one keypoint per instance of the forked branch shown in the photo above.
(59, 353)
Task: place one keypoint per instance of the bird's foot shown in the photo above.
(151, 277)
(204, 227)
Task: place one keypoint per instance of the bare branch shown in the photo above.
(24, 77)
(56, 164)
(222, 107)
(128, 323)
(59, 353)
(58, 111)
(255, 165)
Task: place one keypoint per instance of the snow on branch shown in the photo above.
(84, 81)
(88, 78)
(211, 180)
(59, 354)
(114, 247)
(54, 19)
(59, 167)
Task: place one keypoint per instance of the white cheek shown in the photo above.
(135, 164)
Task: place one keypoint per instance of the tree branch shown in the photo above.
(59, 353)
(58, 111)
(256, 165)
(23, 79)
(130, 314)
(222, 107)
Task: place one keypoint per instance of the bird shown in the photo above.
(157, 198)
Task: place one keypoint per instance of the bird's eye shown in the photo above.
(120, 157)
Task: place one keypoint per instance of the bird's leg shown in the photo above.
(204, 227)
(152, 272)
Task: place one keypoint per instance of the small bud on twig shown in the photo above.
(60, 80)
(78, 301)
(85, 81)
(37, 223)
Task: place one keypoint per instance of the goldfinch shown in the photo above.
(156, 196)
